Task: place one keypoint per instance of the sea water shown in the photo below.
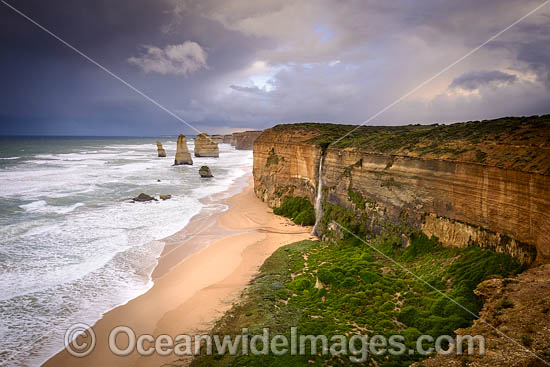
(71, 245)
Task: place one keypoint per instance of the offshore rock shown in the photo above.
(204, 171)
(165, 197)
(182, 153)
(160, 150)
(218, 139)
(227, 139)
(144, 197)
(205, 146)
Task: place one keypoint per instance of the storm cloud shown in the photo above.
(474, 79)
(245, 64)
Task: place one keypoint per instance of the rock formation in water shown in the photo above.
(218, 139)
(182, 153)
(204, 171)
(205, 146)
(165, 197)
(245, 140)
(144, 197)
(227, 139)
(160, 150)
(485, 183)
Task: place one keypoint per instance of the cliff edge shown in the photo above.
(477, 182)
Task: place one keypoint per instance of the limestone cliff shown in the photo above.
(182, 152)
(245, 140)
(160, 150)
(484, 183)
(205, 146)
(227, 139)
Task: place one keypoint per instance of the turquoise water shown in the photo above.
(71, 245)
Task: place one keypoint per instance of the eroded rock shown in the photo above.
(182, 153)
(143, 197)
(160, 150)
(204, 171)
(205, 146)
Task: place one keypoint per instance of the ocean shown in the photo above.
(71, 245)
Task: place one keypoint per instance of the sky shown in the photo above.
(224, 66)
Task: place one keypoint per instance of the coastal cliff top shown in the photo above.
(521, 143)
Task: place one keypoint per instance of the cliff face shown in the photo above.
(245, 140)
(458, 199)
(206, 146)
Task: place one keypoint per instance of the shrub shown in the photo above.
(305, 218)
(420, 245)
(369, 277)
(299, 209)
(326, 276)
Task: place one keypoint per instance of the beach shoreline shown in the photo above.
(200, 271)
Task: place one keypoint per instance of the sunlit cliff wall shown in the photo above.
(489, 192)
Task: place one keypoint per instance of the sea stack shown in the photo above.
(182, 153)
(218, 139)
(160, 150)
(205, 146)
(227, 139)
(204, 171)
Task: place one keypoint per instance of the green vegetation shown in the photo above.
(299, 209)
(357, 199)
(352, 288)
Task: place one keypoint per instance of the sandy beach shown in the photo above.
(202, 269)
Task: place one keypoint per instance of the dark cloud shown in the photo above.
(475, 79)
(252, 64)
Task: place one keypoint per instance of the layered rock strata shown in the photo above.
(218, 139)
(483, 197)
(182, 152)
(245, 140)
(205, 146)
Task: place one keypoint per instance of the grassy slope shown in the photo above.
(362, 293)
(521, 143)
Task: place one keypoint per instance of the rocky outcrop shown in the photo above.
(245, 140)
(143, 197)
(165, 197)
(227, 139)
(160, 150)
(218, 139)
(205, 146)
(182, 153)
(204, 171)
(475, 197)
